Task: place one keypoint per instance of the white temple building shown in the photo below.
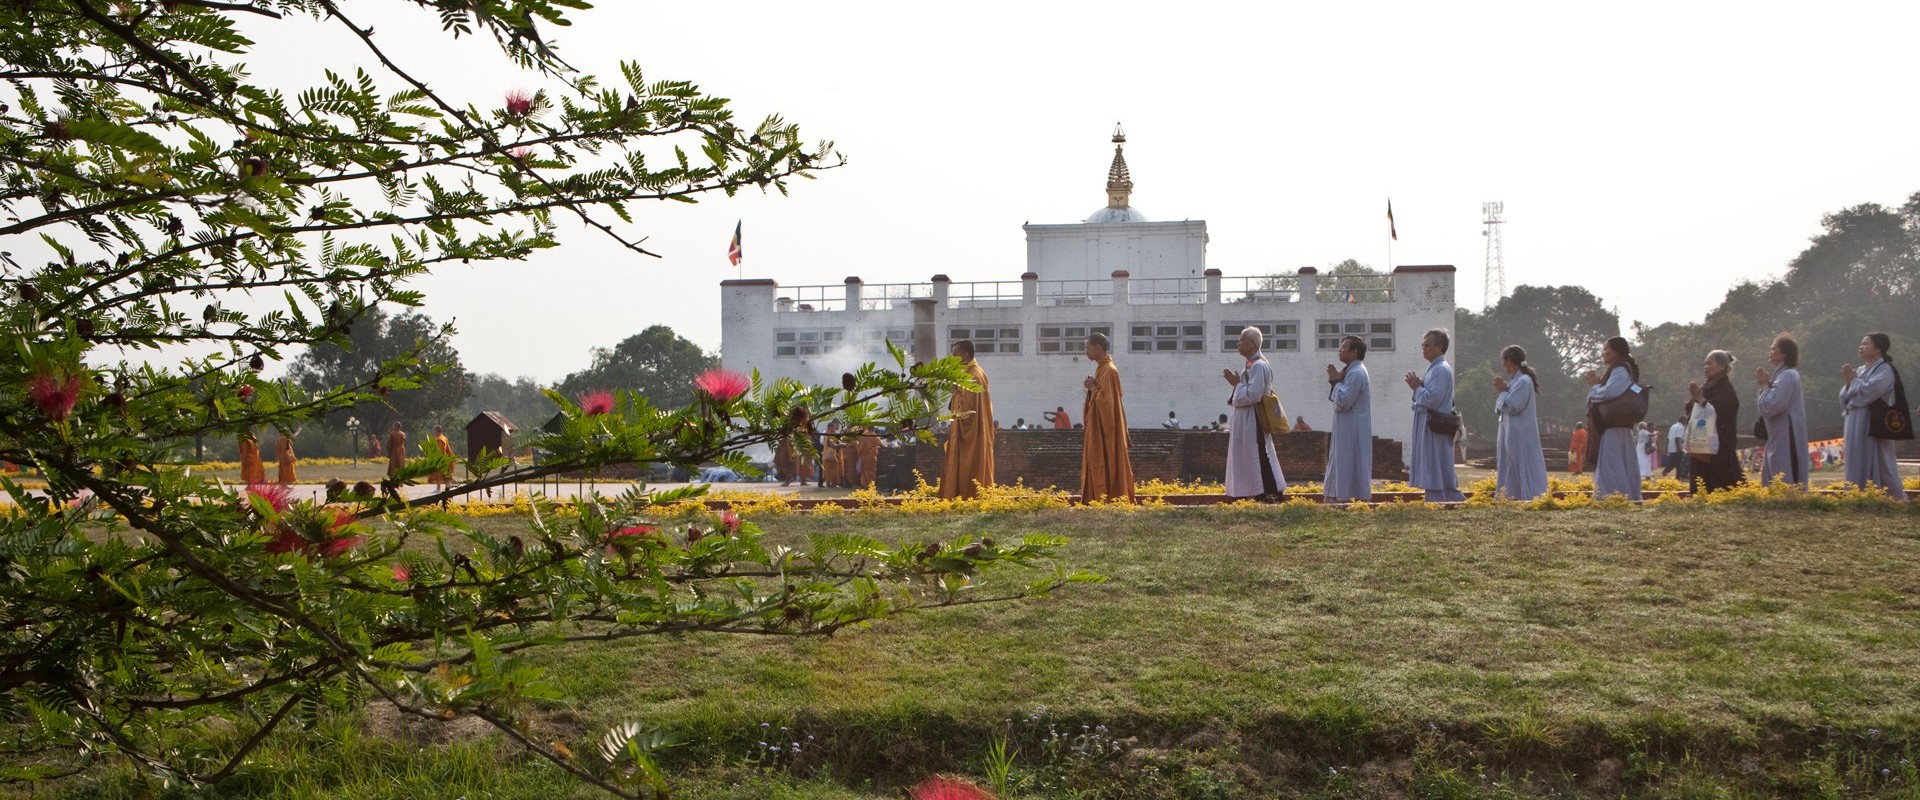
(1173, 322)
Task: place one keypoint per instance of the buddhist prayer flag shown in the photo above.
(1391, 231)
(733, 250)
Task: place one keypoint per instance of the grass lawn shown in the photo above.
(1747, 650)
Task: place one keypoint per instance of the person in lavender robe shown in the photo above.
(1431, 461)
(1869, 460)
(1253, 467)
(1520, 470)
(1350, 445)
(1616, 467)
(1783, 404)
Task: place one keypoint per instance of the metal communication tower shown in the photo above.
(1493, 215)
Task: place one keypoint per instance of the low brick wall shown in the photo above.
(1047, 458)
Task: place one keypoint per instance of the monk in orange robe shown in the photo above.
(446, 449)
(790, 463)
(869, 459)
(832, 460)
(251, 470)
(283, 455)
(1106, 472)
(970, 439)
(396, 450)
(1577, 449)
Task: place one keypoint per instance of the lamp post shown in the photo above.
(353, 435)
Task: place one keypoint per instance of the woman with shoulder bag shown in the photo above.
(1870, 460)
(1720, 469)
(1616, 468)
(1782, 405)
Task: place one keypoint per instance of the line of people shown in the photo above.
(1869, 390)
(1253, 468)
(1617, 403)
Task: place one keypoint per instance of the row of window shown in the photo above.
(1179, 337)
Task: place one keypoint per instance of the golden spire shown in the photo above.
(1119, 183)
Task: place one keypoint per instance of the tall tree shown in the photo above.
(1861, 273)
(520, 399)
(655, 363)
(377, 338)
(147, 604)
(1562, 329)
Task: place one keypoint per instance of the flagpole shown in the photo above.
(1390, 233)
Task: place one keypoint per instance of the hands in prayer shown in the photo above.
(1846, 373)
(1333, 374)
(1593, 378)
(1413, 381)
(1499, 383)
(1233, 379)
(1089, 383)
(1698, 394)
(1761, 377)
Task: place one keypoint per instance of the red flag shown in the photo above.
(733, 250)
(1391, 231)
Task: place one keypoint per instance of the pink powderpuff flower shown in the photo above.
(596, 402)
(519, 102)
(722, 385)
(55, 393)
(279, 496)
(401, 573)
(938, 788)
(246, 391)
(285, 540)
(633, 532)
(520, 154)
(339, 544)
(730, 521)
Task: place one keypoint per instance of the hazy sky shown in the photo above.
(1653, 152)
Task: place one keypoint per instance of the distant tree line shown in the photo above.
(656, 363)
(1861, 273)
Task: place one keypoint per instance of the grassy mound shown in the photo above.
(1746, 649)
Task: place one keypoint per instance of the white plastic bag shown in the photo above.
(1703, 431)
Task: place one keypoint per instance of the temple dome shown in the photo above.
(1109, 214)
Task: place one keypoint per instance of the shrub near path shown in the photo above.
(1762, 647)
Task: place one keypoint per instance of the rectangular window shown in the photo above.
(876, 341)
(1377, 333)
(1275, 337)
(1067, 340)
(988, 340)
(1174, 337)
(803, 342)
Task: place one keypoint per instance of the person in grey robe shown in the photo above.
(1350, 445)
(1616, 467)
(1520, 469)
(1431, 461)
(1783, 405)
(1253, 468)
(1869, 460)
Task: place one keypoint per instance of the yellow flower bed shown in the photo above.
(268, 458)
